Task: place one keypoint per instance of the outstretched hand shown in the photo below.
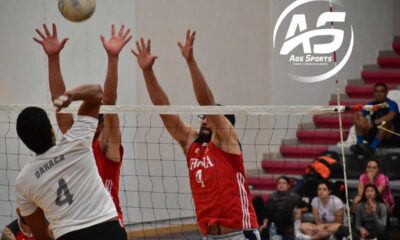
(187, 48)
(49, 41)
(143, 54)
(114, 45)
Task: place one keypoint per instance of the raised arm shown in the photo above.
(226, 137)
(110, 137)
(179, 130)
(201, 89)
(90, 94)
(52, 47)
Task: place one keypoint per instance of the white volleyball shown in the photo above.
(77, 10)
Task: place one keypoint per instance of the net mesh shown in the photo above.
(154, 186)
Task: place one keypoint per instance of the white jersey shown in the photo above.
(65, 184)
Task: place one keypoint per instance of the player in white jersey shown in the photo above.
(62, 182)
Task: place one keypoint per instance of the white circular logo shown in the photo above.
(312, 53)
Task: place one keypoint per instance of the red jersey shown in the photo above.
(18, 234)
(109, 172)
(219, 188)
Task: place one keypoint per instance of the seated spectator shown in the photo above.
(371, 214)
(381, 182)
(329, 215)
(279, 209)
(366, 122)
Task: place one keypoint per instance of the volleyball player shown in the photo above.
(61, 182)
(17, 230)
(106, 144)
(214, 156)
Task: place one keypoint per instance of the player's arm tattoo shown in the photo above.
(7, 234)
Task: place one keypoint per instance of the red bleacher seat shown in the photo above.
(388, 76)
(320, 136)
(332, 121)
(302, 151)
(363, 91)
(285, 166)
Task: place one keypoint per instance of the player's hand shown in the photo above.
(114, 45)
(62, 101)
(49, 41)
(187, 48)
(143, 54)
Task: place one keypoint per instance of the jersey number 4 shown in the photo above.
(63, 189)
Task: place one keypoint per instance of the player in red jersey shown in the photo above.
(17, 230)
(107, 147)
(214, 156)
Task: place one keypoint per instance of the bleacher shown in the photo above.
(322, 134)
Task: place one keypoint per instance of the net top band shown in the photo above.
(185, 109)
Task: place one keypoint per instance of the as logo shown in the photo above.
(313, 44)
(299, 22)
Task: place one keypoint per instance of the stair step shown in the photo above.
(302, 150)
(320, 136)
(285, 166)
(364, 91)
(389, 61)
(396, 46)
(261, 182)
(332, 121)
(388, 76)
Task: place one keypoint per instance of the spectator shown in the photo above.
(279, 209)
(371, 214)
(366, 122)
(381, 182)
(329, 215)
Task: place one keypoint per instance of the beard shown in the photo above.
(204, 135)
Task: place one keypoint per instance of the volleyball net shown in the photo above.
(155, 192)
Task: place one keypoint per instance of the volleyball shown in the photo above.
(77, 10)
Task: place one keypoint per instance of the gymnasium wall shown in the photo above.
(233, 47)
(23, 64)
(396, 11)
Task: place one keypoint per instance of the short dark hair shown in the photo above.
(101, 119)
(231, 117)
(35, 130)
(326, 183)
(374, 160)
(378, 197)
(381, 85)
(286, 179)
